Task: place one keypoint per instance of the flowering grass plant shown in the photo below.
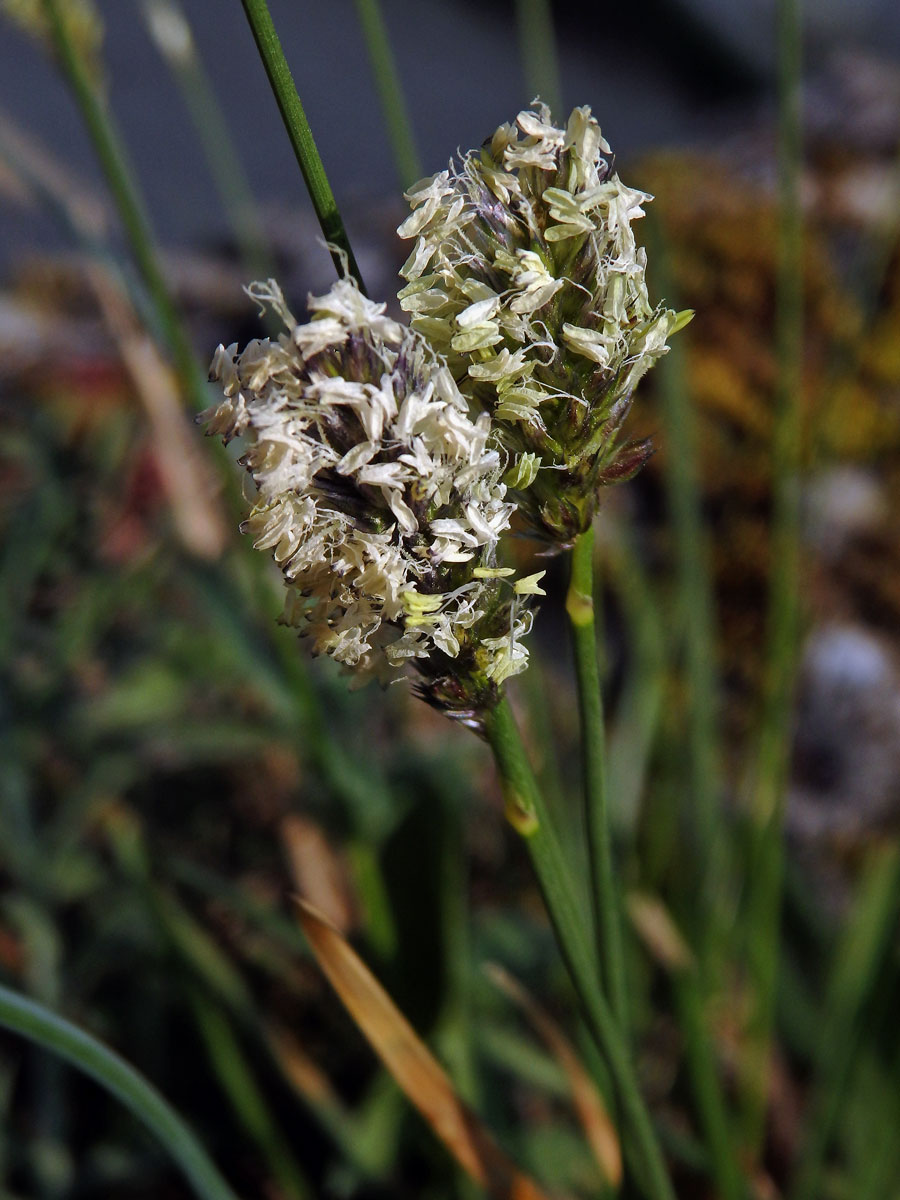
(423, 473)
(381, 457)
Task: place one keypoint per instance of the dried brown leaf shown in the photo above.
(589, 1106)
(412, 1064)
(310, 1081)
(317, 870)
(658, 931)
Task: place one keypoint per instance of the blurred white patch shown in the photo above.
(841, 504)
(846, 764)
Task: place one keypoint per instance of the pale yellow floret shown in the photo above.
(493, 572)
(528, 585)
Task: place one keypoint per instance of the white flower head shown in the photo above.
(526, 274)
(378, 496)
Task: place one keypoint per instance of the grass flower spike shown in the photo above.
(379, 497)
(526, 275)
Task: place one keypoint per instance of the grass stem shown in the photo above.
(605, 897)
(767, 865)
(168, 26)
(537, 50)
(857, 964)
(572, 928)
(300, 135)
(393, 103)
(706, 1085)
(697, 619)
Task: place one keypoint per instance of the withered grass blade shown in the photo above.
(412, 1064)
(654, 925)
(317, 870)
(586, 1099)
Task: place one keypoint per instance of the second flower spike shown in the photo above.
(526, 275)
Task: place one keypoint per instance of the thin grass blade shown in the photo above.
(589, 1105)
(45, 1028)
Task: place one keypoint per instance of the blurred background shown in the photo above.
(172, 765)
(689, 73)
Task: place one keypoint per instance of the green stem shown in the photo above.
(380, 926)
(706, 1085)
(537, 50)
(767, 869)
(697, 613)
(856, 966)
(24, 1016)
(235, 1075)
(300, 135)
(113, 158)
(633, 738)
(455, 1024)
(696, 605)
(534, 687)
(607, 917)
(168, 27)
(387, 80)
(529, 814)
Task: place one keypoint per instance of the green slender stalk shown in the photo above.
(54, 1033)
(534, 687)
(604, 893)
(454, 1034)
(377, 915)
(110, 150)
(697, 613)
(505, 1047)
(168, 27)
(882, 1166)
(634, 735)
(229, 1062)
(300, 135)
(528, 813)
(393, 103)
(695, 602)
(875, 1166)
(706, 1085)
(857, 962)
(453, 1031)
(767, 868)
(377, 1126)
(537, 49)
